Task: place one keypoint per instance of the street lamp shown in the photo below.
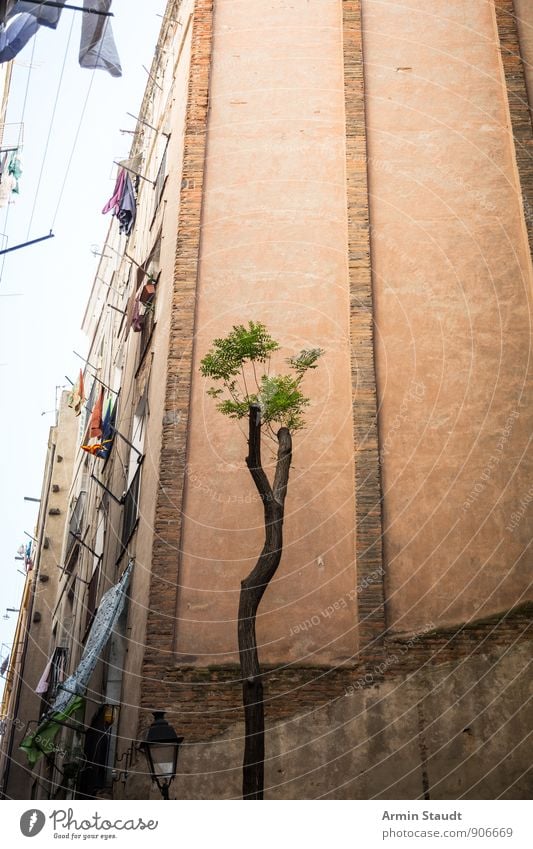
(161, 747)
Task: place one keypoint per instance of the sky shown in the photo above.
(70, 115)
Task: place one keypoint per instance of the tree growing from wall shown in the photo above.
(274, 404)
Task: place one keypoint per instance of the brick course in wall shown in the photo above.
(205, 702)
(368, 492)
(518, 105)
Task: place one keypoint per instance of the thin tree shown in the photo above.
(274, 409)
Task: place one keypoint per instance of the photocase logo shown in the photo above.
(32, 822)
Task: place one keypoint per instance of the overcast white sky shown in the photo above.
(40, 328)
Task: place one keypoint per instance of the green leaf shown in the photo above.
(306, 359)
(241, 345)
(279, 396)
(282, 401)
(234, 409)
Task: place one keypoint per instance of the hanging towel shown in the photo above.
(76, 399)
(97, 47)
(42, 686)
(95, 429)
(113, 204)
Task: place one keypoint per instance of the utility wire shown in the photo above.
(73, 150)
(54, 109)
(25, 101)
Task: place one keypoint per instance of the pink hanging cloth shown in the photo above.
(114, 202)
(42, 686)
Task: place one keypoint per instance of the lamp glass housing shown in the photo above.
(161, 748)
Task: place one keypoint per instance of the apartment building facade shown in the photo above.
(22, 705)
(356, 176)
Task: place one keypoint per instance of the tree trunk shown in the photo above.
(252, 590)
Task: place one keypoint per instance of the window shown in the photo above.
(75, 528)
(131, 508)
(160, 181)
(143, 313)
(92, 596)
(131, 501)
(148, 317)
(99, 538)
(58, 670)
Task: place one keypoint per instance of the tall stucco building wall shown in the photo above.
(352, 181)
(452, 282)
(356, 175)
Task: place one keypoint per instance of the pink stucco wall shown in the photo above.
(452, 278)
(274, 249)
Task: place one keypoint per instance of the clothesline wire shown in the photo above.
(73, 149)
(24, 103)
(50, 128)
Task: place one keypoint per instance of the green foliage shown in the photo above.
(279, 396)
(306, 359)
(225, 359)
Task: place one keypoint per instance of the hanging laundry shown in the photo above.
(128, 207)
(113, 204)
(70, 698)
(28, 562)
(137, 319)
(14, 169)
(42, 686)
(15, 36)
(76, 399)
(5, 9)
(47, 16)
(97, 48)
(9, 181)
(97, 45)
(97, 448)
(108, 430)
(133, 164)
(95, 427)
(122, 202)
(7, 185)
